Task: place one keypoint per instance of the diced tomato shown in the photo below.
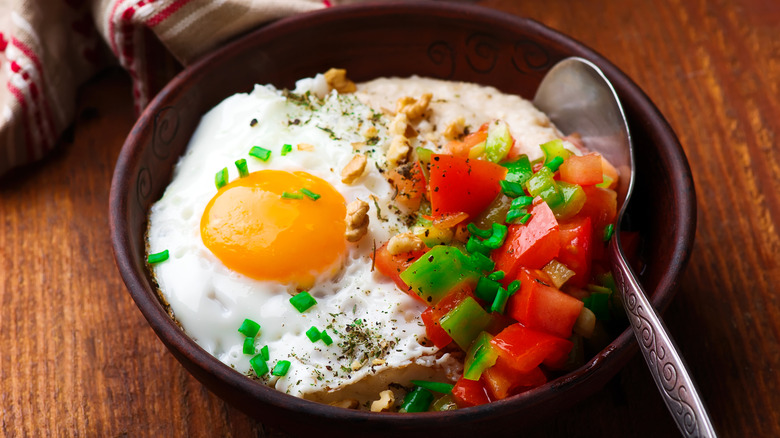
(532, 245)
(409, 180)
(469, 393)
(601, 208)
(462, 185)
(502, 380)
(610, 171)
(450, 301)
(526, 349)
(576, 244)
(392, 265)
(432, 315)
(461, 148)
(542, 307)
(433, 330)
(585, 170)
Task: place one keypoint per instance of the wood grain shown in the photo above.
(78, 359)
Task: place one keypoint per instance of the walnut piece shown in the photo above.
(398, 125)
(386, 400)
(404, 242)
(337, 79)
(354, 168)
(455, 129)
(398, 150)
(413, 108)
(357, 220)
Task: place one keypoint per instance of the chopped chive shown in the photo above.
(259, 365)
(609, 230)
(157, 257)
(288, 195)
(473, 229)
(497, 237)
(496, 276)
(522, 201)
(473, 245)
(242, 169)
(310, 194)
(264, 353)
(313, 334)
(513, 287)
(326, 337)
(514, 214)
(554, 164)
(358, 321)
(499, 303)
(486, 289)
(221, 178)
(513, 190)
(249, 346)
(260, 153)
(525, 218)
(444, 388)
(286, 149)
(249, 328)
(302, 301)
(281, 368)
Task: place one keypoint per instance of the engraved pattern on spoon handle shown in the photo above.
(661, 354)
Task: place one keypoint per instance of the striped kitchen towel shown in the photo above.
(50, 47)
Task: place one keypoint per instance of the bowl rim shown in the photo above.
(619, 350)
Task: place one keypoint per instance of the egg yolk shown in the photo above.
(256, 231)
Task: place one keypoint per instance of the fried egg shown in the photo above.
(241, 251)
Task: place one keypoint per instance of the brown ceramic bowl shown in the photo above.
(448, 41)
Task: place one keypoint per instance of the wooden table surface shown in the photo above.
(79, 359)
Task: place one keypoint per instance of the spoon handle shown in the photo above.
(663, 359)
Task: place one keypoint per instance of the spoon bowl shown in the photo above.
(579, 98)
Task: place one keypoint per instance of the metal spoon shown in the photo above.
(577, 97)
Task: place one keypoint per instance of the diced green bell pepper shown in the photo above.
(543, 185)
(418, 400)
(554, 149)
(482, 262)
(598, 303)
(480, 356)
(499, 141)
(465, 322)
(439, 271)
(573, 200)
(518, 171)
(444, 403)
